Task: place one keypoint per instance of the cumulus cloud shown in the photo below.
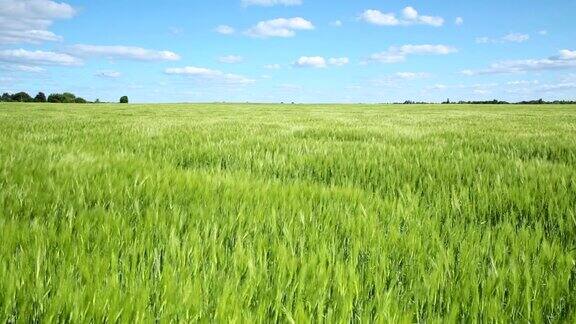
(230, 59)
(280, 27)
(567, 55)
(409, 16)
(123, 52)
(225, 30)
(565, 60)
(108, 74)
(396, 54)
(336, 23)
(31, 59)
(208, 75)
(270, 3)
(27, 21)
(508, 38)
(376, 17)
(319, 62)
(459, 21)
(316, 62)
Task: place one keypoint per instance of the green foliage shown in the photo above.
(298, 213)
(65, 97)
(6, 97)
(22, 97)
(56, 98)
(68, 97)
(124, 99)
(40, 97)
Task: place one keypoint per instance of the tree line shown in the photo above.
(65, 97)
(494, 102)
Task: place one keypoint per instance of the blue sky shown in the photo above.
(290, 50)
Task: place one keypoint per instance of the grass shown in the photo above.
(287, 213)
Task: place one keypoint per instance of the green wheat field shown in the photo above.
(287, 213)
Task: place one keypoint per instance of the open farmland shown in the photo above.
(292, 213)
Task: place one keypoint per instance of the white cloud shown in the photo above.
(316, 62)
(410, 13)
(108, 74)
(21, 68)
(516, 38)
(123, 52)
(459, 21)
(529, 65)
(567, 55)
(412, 75)
(566, 60)
(557, 87)
(481, 91)
(336, 23)
(481, 88)
(398, 54)
(509, 38)
(215, 76)
(270, 3)
(543, 32)
(280, 27)
(225, 30)
(410, 16)
(522, 82)
(338, 61)
(272, 66)
(230, 59)
(376, 17)
(319, 62)
(438, 87)
(27, 21)
(398, 80)
(34, 58)
(534, 87)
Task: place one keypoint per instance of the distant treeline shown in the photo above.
(497, 102)
(65, 97)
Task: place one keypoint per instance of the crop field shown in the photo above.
(287, 213)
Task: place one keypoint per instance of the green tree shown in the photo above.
(68, 97)
(56, 98)
(80, 100)
(40, 97)
(6, 97)
(124, 99)
(21, 97)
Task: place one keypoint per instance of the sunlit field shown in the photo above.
(289, 213)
